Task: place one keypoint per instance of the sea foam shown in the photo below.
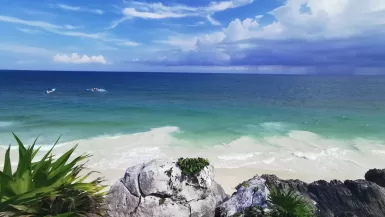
(305, 155)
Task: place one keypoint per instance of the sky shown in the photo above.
(262, 36)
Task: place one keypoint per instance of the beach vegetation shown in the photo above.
(50, 186)
(287, 203)
(282, 203)
(243, 184)
(192, 166)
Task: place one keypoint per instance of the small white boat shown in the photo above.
(50, 91)
(97, 90)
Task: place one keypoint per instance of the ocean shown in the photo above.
(310, 126)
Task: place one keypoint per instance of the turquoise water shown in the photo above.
(224, 116)
(203, 106)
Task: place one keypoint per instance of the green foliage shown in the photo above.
(48, 187)
(192, 166)
(282, 204)
(289, 204)
(244, 184)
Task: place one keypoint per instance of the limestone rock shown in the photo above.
(253, 192)
(158, 189)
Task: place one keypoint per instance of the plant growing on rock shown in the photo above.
(48, 187)
(288, 204)
(192, 166)
(282, 204)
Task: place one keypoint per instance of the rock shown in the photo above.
(336, 198)
(253, 192)
(347, 214)
(377, 176)
(158, 188)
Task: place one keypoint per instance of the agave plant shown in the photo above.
(288, 204)
(48, 187)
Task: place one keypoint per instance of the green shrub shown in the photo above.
(48, 187)
(288, 204)
(192, 166)
(282, 204)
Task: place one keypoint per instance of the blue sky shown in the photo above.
(266, 36)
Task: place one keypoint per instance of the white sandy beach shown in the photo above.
(300, 155)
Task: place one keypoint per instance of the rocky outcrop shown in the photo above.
(336, 198)
(252, 192)
(158, 189)
(377, 176)
(358, 198)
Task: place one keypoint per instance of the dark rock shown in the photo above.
(377, 176)
(347, 214)
(338, 199)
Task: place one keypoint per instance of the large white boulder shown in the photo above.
(158, 189)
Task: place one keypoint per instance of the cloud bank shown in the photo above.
(75, 58)
(304, 33)
(158, 10)
(79, 9)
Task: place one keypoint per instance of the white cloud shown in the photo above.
(71, 27)
(75, 58)
(323, 19)
(80, 9)
(224, 5)
(68, 7)
(197, 24)
(160, 11)
(78, 34)
(129, 43)
(97, 11)
(57, 29)
(33, 23)
(213, 21)
(29, 31)
(132, 12)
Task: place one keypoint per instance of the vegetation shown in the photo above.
(282, 204)
(288, 204)
(192, 166)
(48, 187)
(244, 184)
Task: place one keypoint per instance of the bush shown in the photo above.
(48, 187)
(192, 166)
(282, 204)
(288, 204)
